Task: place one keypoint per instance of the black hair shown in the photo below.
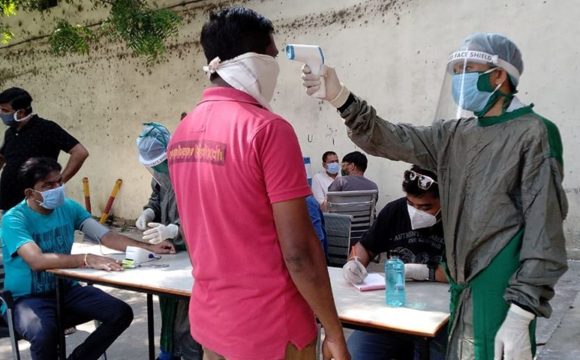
(18, 98)
(36, 169)
(412, 187)
(234, 31)
(326, 155)
(358, 159)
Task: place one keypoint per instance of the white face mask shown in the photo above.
(255, 74)
(421, 219)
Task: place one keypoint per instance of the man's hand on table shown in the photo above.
(102, 263)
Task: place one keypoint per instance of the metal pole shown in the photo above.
(150, 327)
(59, 319)
(116, 188)
(87, 193)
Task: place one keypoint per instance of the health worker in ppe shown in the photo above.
(500, 170)
(160, 221)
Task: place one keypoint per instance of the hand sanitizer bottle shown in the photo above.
(395, 278)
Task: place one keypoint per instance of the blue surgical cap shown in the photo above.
(499, 45)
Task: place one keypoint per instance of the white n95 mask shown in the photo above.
(255, 74)
(420, 219)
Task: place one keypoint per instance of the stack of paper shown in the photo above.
(374, 281)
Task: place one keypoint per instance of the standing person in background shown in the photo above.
(260, 273)
(322, 180)
(500, 170)
(29, 135)
(160, 221)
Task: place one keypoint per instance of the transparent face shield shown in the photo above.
(160, 174)
(467, 90)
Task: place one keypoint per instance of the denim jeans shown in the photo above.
(364, 345)
(35, 321)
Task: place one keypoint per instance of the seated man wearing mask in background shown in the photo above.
(409, 227)
(322, 180)
(353, 178)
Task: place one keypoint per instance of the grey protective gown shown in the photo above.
(175, 339)
(162, 202)
(498, 176)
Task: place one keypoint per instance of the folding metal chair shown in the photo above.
(338, 230)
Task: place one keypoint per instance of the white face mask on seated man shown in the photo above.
(421, 219)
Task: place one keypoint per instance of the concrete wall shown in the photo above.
(392, 53)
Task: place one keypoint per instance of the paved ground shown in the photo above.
(560, 334)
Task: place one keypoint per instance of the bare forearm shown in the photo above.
(78, 155)
(310, 275)
(306, 264)
(57, 261)
(119, 242)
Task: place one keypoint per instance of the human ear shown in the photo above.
(501, 77)
(28, 192)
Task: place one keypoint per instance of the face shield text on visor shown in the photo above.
(467, 89)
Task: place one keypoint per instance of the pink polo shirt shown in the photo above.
(230, 160)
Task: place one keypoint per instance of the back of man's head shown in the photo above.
(235, 31)
(36, 169)
(415, 185)
(358, 159)
(17, 98)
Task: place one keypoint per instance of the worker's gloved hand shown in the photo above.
(354, 271)
(418, 272)
(512, 341)
(159, 232)
(146, 216)
(336, 93)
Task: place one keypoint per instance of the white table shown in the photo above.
(173, 280)
(424, 316)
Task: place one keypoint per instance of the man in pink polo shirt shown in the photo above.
(238, 174)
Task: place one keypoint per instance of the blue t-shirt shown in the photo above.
(317, 221)
(53, 233)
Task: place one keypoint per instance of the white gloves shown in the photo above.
(336, 93)
(512, 341)
(418, 272)
(160, 232)
(146, 216)
(354, 271)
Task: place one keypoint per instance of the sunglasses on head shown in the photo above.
(423, 181)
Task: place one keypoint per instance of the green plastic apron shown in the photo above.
(489, 307)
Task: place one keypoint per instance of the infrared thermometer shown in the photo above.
(312, 56)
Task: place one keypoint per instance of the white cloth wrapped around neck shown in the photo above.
(253, 73)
